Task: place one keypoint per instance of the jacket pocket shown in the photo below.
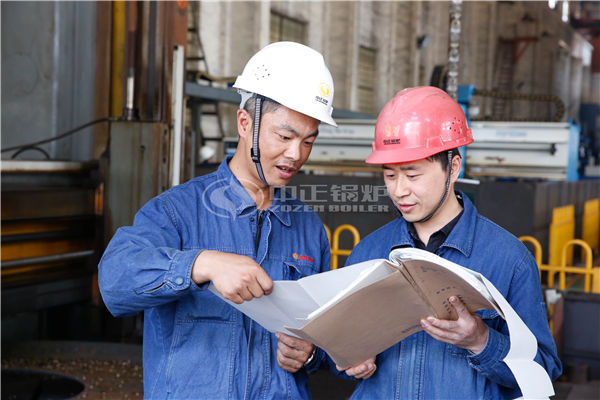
(295, 269)
(204, 305)
(201, 359)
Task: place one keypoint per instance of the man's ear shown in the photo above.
(456, 166)
(244, 124)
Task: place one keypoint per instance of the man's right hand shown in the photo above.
(362, 370)
(237, 278)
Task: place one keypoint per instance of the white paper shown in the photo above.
(291, 302)
(532, 378)
(325, 286)
(287, 302)
(366, 277)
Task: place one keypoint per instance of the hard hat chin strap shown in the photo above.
(255, 152)
(445, 192)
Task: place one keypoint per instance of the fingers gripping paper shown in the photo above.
(358, 311)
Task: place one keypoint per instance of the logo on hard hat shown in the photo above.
(325, 91)
(391, 131)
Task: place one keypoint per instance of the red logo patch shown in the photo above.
(303, 258)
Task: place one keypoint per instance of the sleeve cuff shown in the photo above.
(179, 276)
(314, 362)
(495, 350)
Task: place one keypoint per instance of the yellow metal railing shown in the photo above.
(590, 273)
(335, 244)
(563, 269)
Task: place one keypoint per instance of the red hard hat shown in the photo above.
(418, 123)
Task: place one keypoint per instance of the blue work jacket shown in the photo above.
(421, 367)
(196, 346)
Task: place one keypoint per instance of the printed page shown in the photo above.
(438, 279)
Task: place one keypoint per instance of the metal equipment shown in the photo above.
(51, 233)
(350, 142)
(539, 150)
(536, 150)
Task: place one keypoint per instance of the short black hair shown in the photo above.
(442, 157)
(268, 105)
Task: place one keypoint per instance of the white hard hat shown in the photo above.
(293, 75)
(206, 153)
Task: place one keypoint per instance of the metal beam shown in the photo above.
(209, 93)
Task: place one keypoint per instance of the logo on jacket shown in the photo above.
(303, 258)
(218, 198)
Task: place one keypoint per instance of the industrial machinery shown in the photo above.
(538, 150)
(350, 142)
(51, 233)
(533, 150)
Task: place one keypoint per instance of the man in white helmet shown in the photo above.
(234, 229)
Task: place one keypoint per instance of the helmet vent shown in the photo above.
(261, 72)
(455, 125)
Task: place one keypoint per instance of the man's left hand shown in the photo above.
(292, 352)
(468, 331)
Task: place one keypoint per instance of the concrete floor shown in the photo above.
(113, 371)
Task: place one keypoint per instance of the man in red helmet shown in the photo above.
(417, 136)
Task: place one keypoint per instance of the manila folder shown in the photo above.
(367, 321)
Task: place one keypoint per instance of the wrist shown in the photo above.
(479, 348)
(311, 357)
(199, 274)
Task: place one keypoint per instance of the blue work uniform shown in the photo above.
(196, 345)
(421, 367)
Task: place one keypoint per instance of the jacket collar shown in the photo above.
(460, 238)
(243, 204)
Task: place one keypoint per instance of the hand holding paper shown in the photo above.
(292, 352)
(468, 331)
(243, 279)
(363, 370)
